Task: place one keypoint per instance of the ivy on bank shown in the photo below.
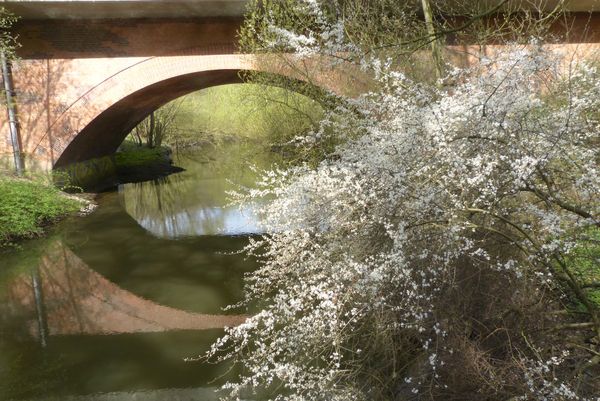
(27, 207)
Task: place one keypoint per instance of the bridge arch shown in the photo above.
(96, 124)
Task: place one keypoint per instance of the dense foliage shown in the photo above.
(8, 44)
(447, 249)
(247, 111)
(26, 207)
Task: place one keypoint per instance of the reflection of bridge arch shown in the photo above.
(78, 300)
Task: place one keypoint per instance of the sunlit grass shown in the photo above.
(26, 207)
(131, 155)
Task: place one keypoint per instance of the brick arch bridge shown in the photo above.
(90, 71)
(97, 122)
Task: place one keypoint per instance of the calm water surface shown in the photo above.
(109, 306)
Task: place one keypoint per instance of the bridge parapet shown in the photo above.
(122, 9)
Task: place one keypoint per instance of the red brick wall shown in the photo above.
(62, 60)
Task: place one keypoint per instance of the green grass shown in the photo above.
(585, 259)
(26, 207)
(132, 155)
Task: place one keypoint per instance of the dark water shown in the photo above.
(109, 306)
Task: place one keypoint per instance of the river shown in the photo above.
(111, 306)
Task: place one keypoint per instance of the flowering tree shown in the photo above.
(446, 249)
(8, 43)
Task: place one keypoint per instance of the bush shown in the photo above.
(132, 155)
(436, 254)
(445, 249)
(26, 207)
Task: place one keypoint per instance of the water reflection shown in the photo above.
(195, 202)
(66, 330)
(198, 274)
(70, 298)
(106, 309)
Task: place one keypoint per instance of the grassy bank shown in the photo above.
(131, 155)
(27, 207)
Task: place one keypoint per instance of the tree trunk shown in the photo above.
(151, 131)
(436, 43)
(13, 123)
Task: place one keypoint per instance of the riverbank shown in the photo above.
(131, 163)
(136, 163)
(28, 207)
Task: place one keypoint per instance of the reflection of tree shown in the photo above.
(196, 202)
(40, 310)
(161, 208)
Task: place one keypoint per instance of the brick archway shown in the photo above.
(97, 122)
(81, 84)
(105, 132)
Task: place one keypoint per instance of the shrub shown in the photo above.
(431, 256)
(26, 207)
(444, 249)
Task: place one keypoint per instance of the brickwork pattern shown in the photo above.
(82, 86)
